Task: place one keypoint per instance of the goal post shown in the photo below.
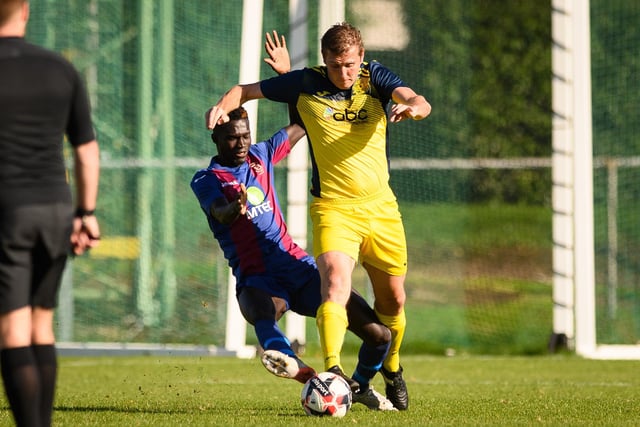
(574, 279)
(297, 164)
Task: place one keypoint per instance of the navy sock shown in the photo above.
(369, 363)
(271, 337)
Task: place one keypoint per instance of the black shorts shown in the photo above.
(34, 245)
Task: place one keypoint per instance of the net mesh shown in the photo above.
(479, 233)
(616, 149)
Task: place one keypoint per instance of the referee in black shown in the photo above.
(42, 99)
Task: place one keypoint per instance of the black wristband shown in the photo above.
(83, 212)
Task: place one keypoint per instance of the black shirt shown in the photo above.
(42, 98)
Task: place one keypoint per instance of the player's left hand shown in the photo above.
(409, 105)
(416, 108)
(400, 112)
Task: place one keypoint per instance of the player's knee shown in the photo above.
(253, 314)
(392, 305)
(256, 305)
(377, 334)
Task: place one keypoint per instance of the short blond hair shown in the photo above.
(340, 38)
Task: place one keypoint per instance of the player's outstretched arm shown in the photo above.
(409, 105)
(295, 132)
(276, 48)
(278, 60)
(235, 97)
(227, 212)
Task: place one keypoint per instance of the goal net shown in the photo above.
(473, 180)
(595, 167)
(617, 160)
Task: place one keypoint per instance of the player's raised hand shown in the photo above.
(276, 48)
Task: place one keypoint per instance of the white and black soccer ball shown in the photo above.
(326, 394)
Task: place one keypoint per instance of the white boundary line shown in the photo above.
(137, 349)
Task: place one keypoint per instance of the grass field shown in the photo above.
(560, 390)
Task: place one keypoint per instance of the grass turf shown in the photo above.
(560, 390)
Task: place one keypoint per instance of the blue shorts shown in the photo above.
(298, 285)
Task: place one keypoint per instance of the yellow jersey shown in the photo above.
(346, 129)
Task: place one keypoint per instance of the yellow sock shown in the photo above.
(332, 322)
(397, 325)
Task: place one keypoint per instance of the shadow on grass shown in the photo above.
(95, 409)
(122, 410)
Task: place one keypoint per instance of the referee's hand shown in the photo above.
(85, 235)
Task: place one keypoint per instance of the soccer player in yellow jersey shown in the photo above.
(355, 216)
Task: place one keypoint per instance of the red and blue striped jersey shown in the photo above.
(257, 243)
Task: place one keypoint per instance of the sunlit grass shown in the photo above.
(463, 390)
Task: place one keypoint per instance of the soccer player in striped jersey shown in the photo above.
(344, 108)
(237, 194)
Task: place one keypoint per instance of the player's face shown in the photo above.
(343, 69)
(234, 142)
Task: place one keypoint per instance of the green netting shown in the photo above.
(479, 236)
(616, 145)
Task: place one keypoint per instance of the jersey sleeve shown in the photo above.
(384, 80)
(284, 88)
(79, 126)
(274, 149)
(281, 146)
(206, 188)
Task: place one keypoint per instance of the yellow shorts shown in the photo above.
(370, 232)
